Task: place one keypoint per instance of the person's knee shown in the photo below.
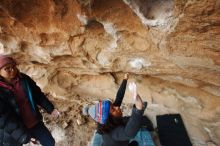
(48, 141)
(53, 141)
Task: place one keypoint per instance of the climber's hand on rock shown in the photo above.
(126, 76)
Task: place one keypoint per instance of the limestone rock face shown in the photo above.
(171, 48)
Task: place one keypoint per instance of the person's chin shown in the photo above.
(13, 76)
(120, 115)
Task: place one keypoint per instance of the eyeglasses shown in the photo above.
(9, 68)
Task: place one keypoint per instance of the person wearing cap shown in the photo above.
(22, 97)
(115, 129)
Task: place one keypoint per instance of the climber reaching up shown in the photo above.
(113, 127)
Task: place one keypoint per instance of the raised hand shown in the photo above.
(126, 76)
(137, 99)
(55, 113)
(133, 89)
(139, 103)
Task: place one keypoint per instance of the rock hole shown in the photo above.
(155, 13)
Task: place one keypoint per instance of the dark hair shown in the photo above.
(111, 124)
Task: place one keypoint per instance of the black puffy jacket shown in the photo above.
(12, 131)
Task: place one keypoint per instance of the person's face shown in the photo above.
(115, 111)
(8, 71)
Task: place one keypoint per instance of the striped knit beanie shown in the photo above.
(100, 111)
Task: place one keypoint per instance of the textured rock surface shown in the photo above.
(170, 47)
